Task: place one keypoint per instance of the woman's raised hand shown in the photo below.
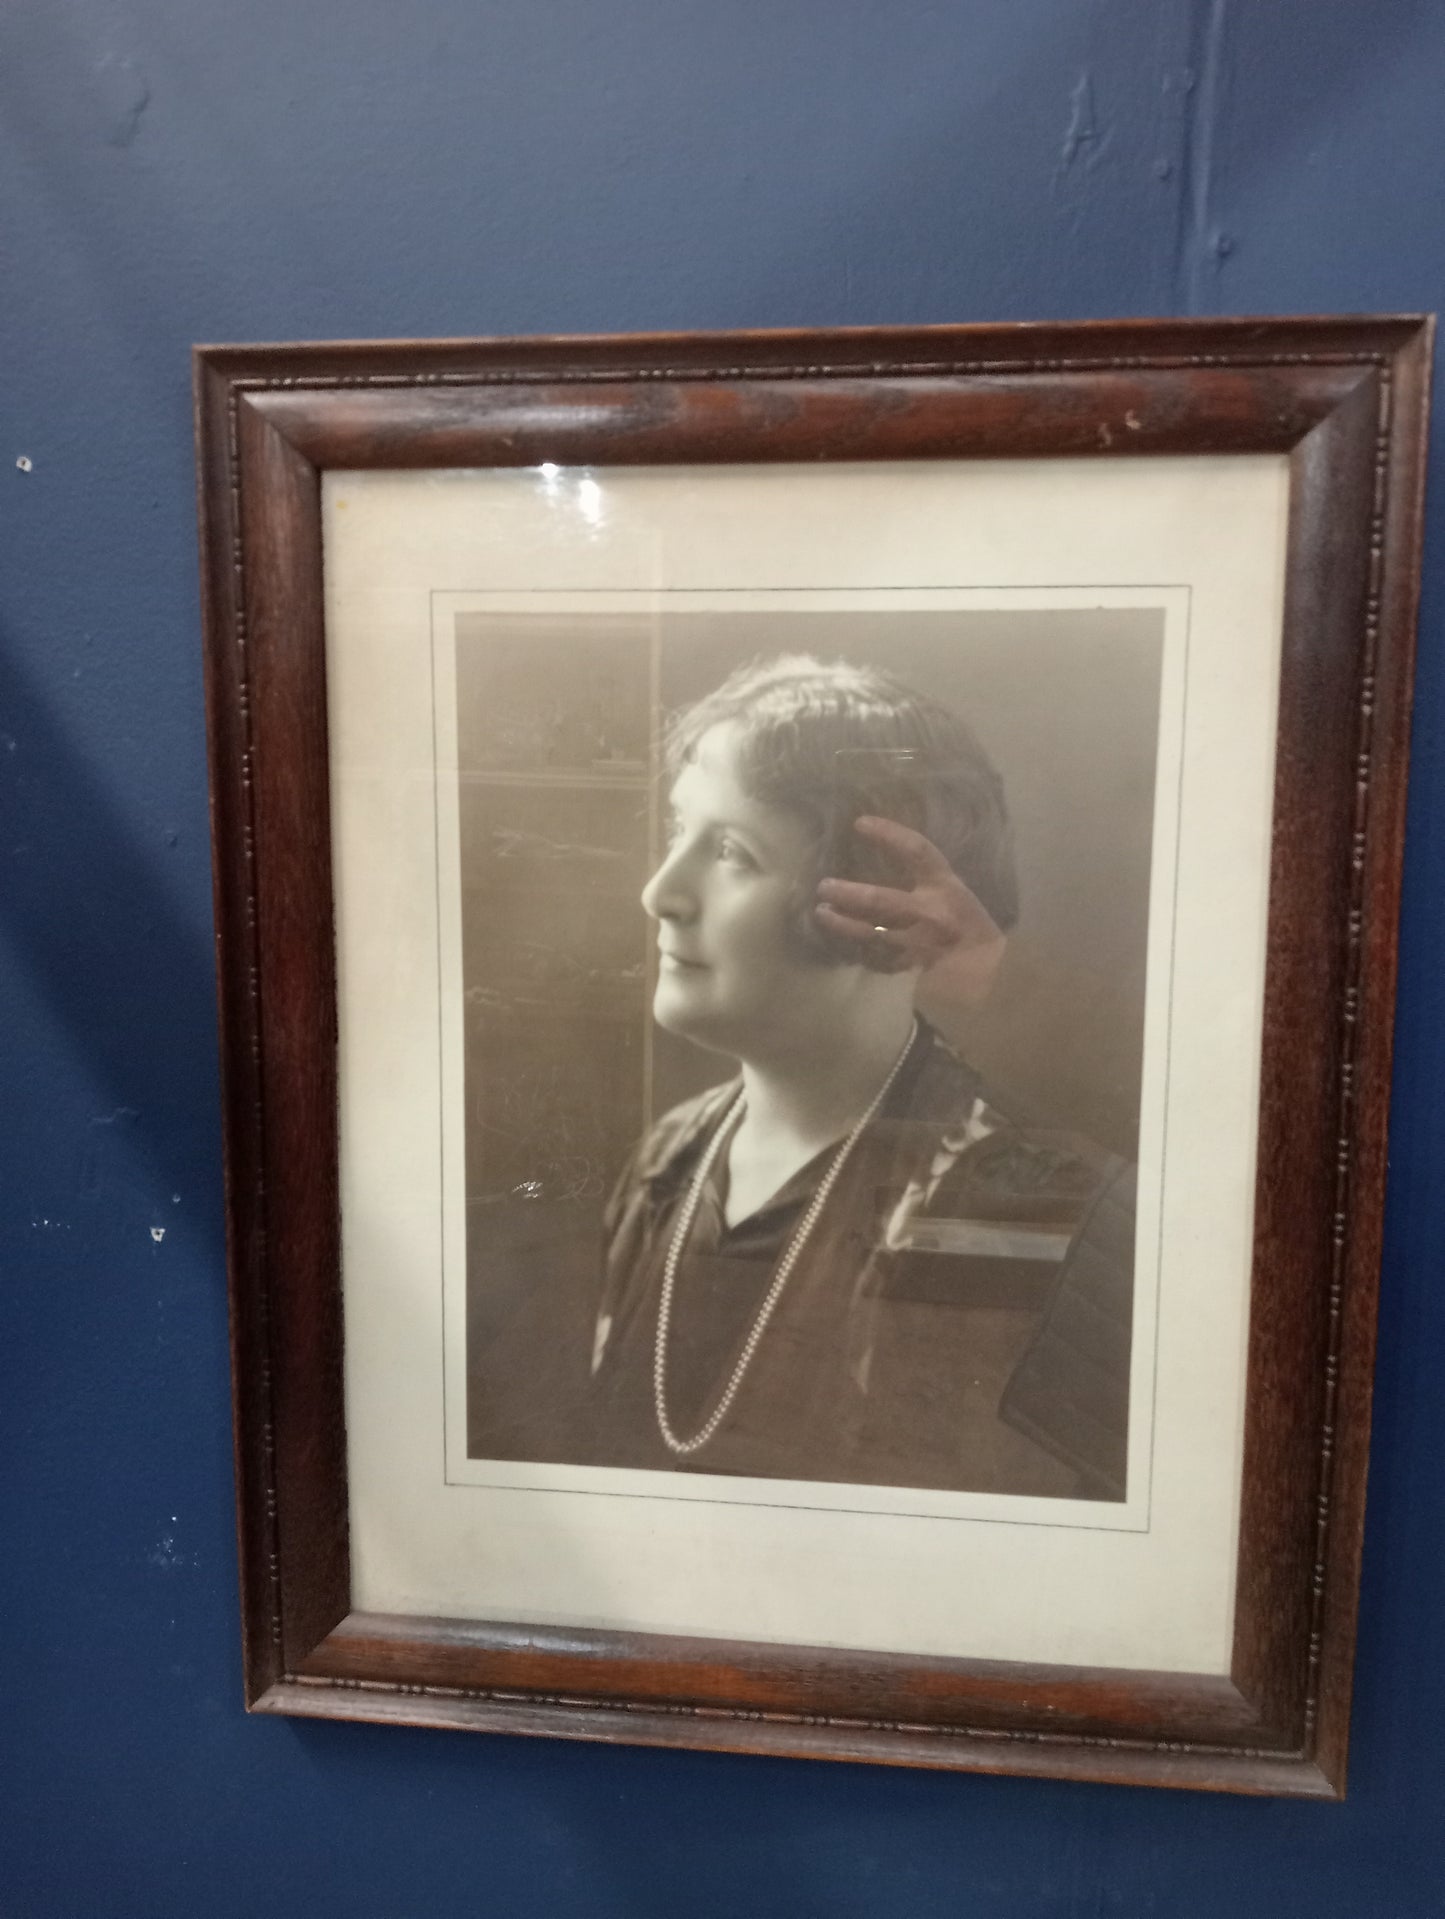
(935, 925)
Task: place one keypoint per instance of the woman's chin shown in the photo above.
(676, 1011)
(682, 1013)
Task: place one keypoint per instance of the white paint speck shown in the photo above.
(25, 463)
(167, 1556)
(158, 1233)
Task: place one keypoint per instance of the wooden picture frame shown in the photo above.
(1343, 401)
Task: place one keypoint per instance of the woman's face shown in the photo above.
(733, 974)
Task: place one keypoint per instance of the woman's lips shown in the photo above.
(675, 963)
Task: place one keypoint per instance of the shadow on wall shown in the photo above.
(122, 974)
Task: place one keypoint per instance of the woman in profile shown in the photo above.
(803, 1273)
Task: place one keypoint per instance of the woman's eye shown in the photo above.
(734, 852)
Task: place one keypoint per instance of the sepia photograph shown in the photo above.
(804, 958)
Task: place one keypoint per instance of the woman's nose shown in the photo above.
(667, 895)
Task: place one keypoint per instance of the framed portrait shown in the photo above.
(806, 933)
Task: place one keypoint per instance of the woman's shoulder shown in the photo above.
(670, 1139)
(991, 1161)
(662, 1160)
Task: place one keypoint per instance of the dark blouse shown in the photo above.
(912, 1345)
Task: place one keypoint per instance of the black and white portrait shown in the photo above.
(804, 963)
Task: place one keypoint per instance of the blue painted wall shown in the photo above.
(179, 170)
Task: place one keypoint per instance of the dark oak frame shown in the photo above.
(1346, 400)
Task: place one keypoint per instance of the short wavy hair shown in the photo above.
(831, 741)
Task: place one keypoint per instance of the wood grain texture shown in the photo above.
(228, 714)
(1036, 1753)
(798, 1682)
(1366, 1019)
(295, 956)
(900, 416)
(1346, 400)
(1312, 956)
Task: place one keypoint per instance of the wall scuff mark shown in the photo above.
(1197, 249)
(123, 94)
(1081, 132)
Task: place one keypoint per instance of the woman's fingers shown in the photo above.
(874, 905)
(916, 850)
(888, 949)
(917, 942)
(863, 932)
(935, 920)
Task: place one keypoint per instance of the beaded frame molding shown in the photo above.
(1345, 400)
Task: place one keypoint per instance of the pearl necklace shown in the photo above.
(780, 1278)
